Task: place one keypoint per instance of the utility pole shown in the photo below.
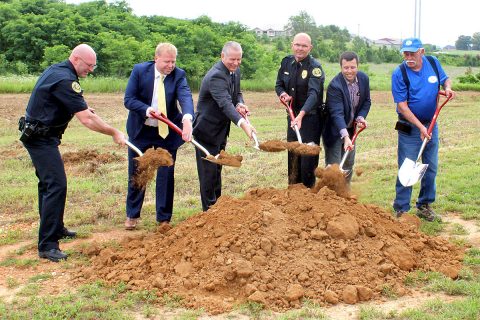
(418, 18)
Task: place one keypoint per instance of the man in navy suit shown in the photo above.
(220, 102)
(348, 101)
(141, 97)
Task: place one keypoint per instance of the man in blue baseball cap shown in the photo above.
(415, 86)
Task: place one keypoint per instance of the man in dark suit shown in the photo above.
(300, 78)
(348, 101)
(219, 102)
(156, 85)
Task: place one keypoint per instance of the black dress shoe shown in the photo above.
(67, 234)
(54, 255)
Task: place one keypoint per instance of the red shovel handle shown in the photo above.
(437, 111)
(289, 108)
(161, 117)
(356, 133)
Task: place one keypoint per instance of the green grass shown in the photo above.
(95, 203)
(380, 77)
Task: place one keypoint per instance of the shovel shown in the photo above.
(254, 135)
(411, 171)
(292, 117)
(345, 155)
(132, 146)
(228, 160)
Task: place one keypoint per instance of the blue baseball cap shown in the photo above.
(411, 45)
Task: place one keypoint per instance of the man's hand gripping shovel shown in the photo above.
(217, 159)
(410, 171)
(345, 155)
(310, 148)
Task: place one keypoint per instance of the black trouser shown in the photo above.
(209, 174)
(52, 189)
(301, 168)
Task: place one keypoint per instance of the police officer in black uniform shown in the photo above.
(301, 79)
(56, 98)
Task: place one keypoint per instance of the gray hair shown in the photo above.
(231, 45)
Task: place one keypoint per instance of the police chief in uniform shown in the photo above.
(56, 98)
(301, 79)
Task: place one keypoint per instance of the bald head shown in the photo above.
(303, 37)
(301, 46)
(84, 59)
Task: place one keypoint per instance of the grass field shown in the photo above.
(97, 191)
(380, 78)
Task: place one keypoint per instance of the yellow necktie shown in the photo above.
(162, 108)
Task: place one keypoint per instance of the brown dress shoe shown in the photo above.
(130, 223)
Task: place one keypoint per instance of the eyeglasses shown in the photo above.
(93, 66)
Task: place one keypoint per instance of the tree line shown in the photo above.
(37, 33)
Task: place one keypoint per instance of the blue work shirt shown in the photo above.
(423, 88)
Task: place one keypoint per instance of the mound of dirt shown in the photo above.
(276, 247)
(89, 156)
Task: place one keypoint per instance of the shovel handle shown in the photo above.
(161, 117)
(356, 133)
(134, 148)
(437, 111)
(292, 117)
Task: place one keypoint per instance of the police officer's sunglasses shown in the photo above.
(93, 66)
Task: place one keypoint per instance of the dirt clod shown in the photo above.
(148, 165)
(273, 146)
(303, 148)
(226, 159)
(333, 178)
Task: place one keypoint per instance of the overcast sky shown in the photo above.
(442, 21)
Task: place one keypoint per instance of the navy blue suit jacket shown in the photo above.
(138, 97)
(339, 105)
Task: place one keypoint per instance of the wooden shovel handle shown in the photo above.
(437, 111)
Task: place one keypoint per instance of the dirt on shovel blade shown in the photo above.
(303, 149)
(226, 159)
(333, 178)
(148, 165)
(273, 146)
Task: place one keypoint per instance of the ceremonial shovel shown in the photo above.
(411, 171)
(215, 159)
(345, 155)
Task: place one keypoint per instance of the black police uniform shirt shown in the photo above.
(56, 97)
(299, 80)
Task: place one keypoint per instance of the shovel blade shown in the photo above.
(411, 172)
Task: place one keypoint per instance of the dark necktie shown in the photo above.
(232, 76)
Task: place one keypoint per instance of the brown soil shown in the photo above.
(333, 178)
(276, 247)
(148, 165)
(226, 159)
(89, 156)
(303, 148)
(273, 146)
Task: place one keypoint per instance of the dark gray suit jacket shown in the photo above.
(216, 105)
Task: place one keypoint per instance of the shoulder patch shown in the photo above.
(76, 87)
(317, 72)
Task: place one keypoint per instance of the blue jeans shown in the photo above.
(408, 147)
(334, 154)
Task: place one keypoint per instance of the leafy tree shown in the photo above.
(476, 41)
(463, 42)
(55, 54)
(303, 22)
